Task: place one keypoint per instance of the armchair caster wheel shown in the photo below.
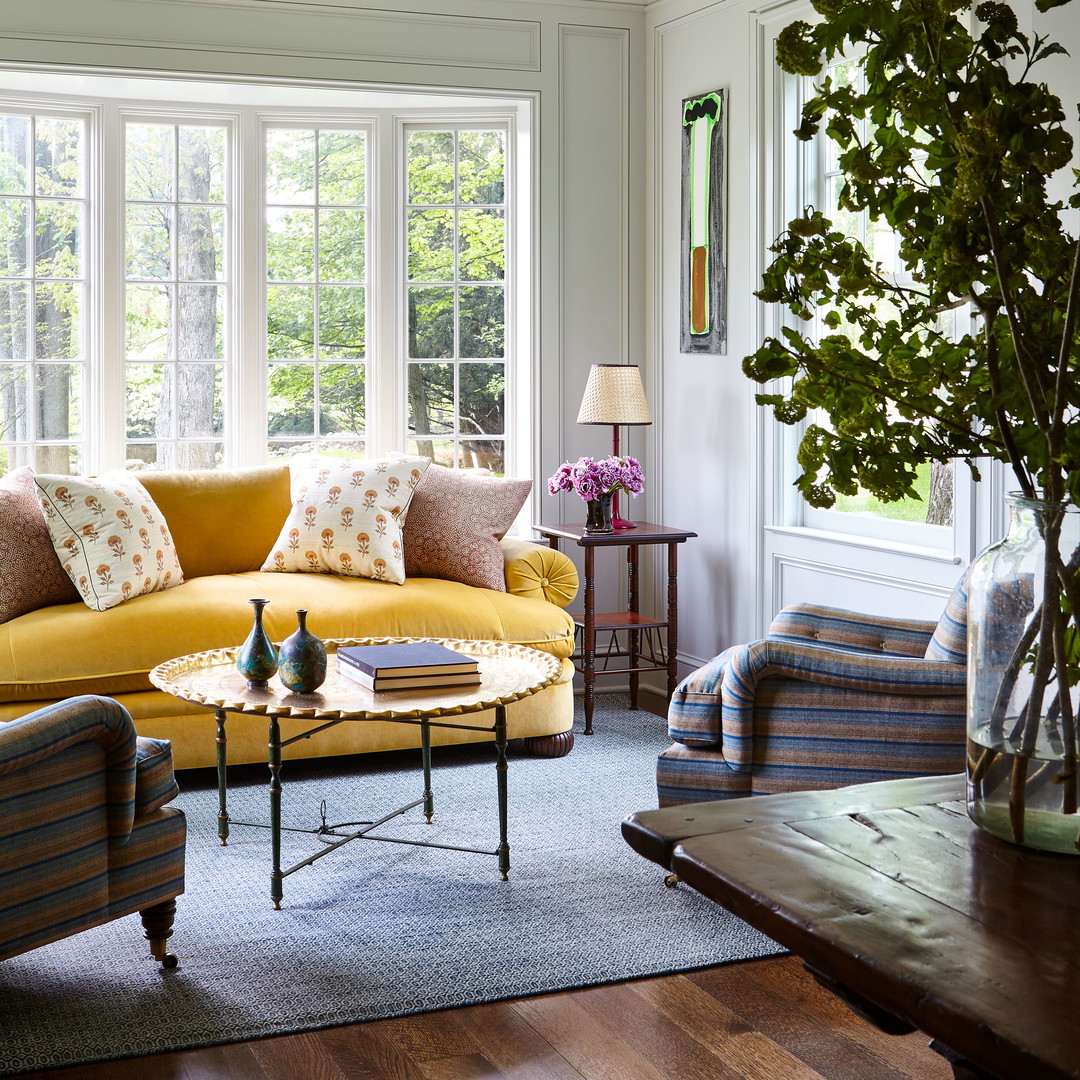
(168, 961)
(671, 880)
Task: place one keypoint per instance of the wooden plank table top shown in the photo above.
(891, 894)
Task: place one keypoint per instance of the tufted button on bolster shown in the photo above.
(544, 582)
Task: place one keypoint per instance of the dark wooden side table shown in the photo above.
(632, 621)
(898, 903)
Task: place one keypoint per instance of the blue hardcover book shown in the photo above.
(406, 658)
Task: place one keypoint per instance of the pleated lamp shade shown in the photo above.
(614, 395)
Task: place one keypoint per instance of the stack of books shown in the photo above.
(408, 665)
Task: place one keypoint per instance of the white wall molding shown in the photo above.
(280, 29)
(786, 572)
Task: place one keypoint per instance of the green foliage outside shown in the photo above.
(42, 238)
(911, 509)
(456, 299)
(955, 161)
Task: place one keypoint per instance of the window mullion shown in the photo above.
(387, 378)
(246, 399)
(105, 381)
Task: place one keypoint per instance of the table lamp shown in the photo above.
(614, 395)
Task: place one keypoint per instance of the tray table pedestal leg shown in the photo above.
(222, 783)
(500, 773)
(425, 751)
(274, 759)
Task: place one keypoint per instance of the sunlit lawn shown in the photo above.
(905, 510)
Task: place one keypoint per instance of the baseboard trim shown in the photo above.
(650, 698)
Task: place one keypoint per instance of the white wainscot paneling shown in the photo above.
(805, 581)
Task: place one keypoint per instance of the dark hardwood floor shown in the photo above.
(755, 1020)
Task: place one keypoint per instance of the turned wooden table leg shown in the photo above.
(157, 922)
(588, 641)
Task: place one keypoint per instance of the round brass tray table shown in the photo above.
(507, 673)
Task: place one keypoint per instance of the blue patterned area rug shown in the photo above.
(377, 930)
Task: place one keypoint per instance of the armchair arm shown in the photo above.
(828, 626)
(539, 571)
(45, 734)
(715, 704)
(879, 678)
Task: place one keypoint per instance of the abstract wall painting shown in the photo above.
(703, 276)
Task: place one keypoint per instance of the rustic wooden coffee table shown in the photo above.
(507, 673)
(898, 903)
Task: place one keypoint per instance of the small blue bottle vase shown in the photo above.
(257, 659)
(302, 659)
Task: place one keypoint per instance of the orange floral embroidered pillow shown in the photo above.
(110, 537)
(347, 517)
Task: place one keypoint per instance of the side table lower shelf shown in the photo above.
(643, 646)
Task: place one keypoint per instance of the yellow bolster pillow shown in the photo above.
(539, 571)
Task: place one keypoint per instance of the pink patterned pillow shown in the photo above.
(456, 520)
(31, 576)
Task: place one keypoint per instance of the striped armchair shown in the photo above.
(828, 698)
(85, 835)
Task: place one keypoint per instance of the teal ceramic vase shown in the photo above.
(302, 659)
(257, 659)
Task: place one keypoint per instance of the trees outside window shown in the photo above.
(177, 295)
(456, 288)
(193, 285)
(316, 291)
(42, 290)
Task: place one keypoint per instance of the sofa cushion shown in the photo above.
(109, 535)
(346, 518)
(222, 521)
(155, 782)
(112, 652)
(31, 576)
(456, 520)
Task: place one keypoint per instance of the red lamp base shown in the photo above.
(618, 523)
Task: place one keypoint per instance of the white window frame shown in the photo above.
(374, 373)
(514, 347)
(113, 234)
(38, 105)
(801, 165)
(245, 398)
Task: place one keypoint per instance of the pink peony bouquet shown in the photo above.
(591, 479)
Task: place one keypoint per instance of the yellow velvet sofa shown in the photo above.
(223, 524)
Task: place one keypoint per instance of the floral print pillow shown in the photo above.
(110, 537)
(346, 518)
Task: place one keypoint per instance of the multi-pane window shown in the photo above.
(176, 294)
(316, 289)
(864, 512)
(42, 291)
(186, 284)
(456, 235)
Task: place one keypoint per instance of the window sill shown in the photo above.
(914, 551)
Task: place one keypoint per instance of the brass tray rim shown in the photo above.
(163, 674)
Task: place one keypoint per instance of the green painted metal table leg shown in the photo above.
(274, 760)
(425, 751)
(222, 784)
(503, 849)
